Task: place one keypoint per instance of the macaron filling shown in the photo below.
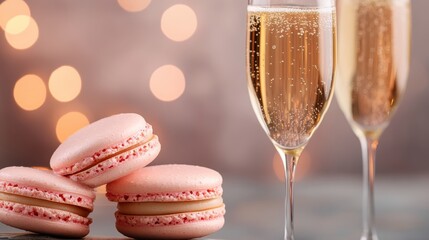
(191, 195)
(163, 208)
(44, 203)
(167, 213)
(59, 197)
(141, 137)
(116, 159)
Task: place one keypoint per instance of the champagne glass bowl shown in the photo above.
(374, 55)
(291, 60)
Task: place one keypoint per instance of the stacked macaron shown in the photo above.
(165, 201)
(168, 202)
(106, 150)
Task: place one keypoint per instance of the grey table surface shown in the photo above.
(327, 208)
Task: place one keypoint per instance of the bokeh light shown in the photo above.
(101, 189)
(179, 22)
(167, 83)
(41, 168)
(17, 24)
(12, 8)
(134, 5)
(278, 167)
(65, 83)
(302, 169)
(69, 123)
(26, 34)
(29, 92)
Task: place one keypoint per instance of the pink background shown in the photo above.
(212, 123)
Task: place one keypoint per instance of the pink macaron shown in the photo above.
(106, 150)
(168, 202)
(43, 202)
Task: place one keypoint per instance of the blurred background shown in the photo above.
(180, 64)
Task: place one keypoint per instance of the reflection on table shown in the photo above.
(327, 208)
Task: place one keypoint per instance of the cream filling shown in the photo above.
(44, 203)
(164, 208)
(98, 161)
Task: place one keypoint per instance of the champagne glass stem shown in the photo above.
(369, 148)
(290, 161)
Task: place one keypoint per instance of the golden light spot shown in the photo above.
(69, 123)
(25, 36)
(134, 5)
(17, 24)
(179, 22)
(29, 92)
(167, 83)
(12, 8)
(278, 167)
(302, 169)
(41, 168)
(101, 189)
(65, 83)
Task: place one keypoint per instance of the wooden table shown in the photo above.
(327, 208)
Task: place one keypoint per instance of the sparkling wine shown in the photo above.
(291, 64)
(374, 53)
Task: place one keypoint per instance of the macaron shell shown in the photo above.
(108, 171)
(38, 224)
(96, 136)
(166, 179)
(183, 231)
(43, 179)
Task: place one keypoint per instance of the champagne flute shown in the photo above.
(374, 55)
(291, 60)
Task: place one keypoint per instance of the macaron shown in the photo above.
(168, 202)
(43, 202)
(106, 150)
